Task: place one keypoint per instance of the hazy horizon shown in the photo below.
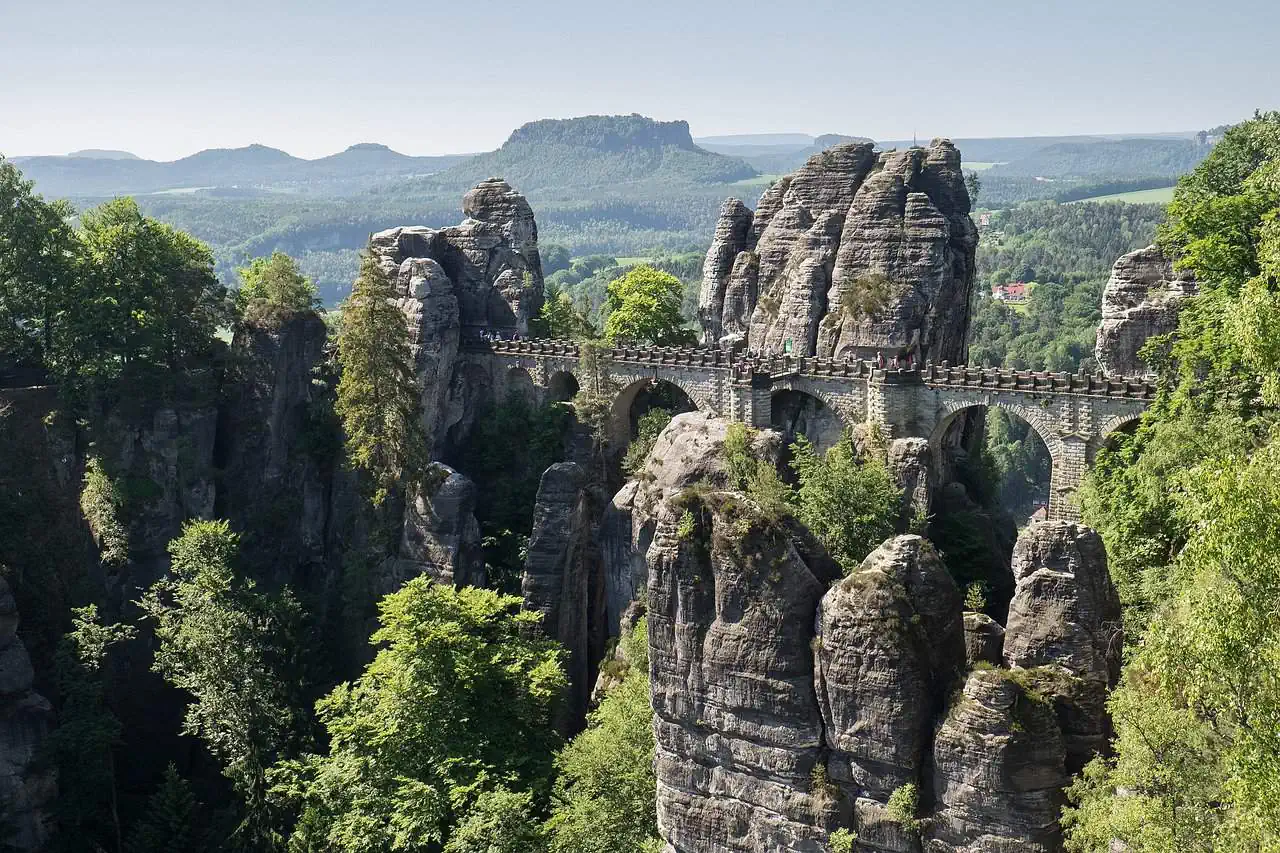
(164, 80)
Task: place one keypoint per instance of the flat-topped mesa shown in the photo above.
(1141, 300)
(853, 255)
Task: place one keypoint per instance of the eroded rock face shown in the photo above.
(732, 231)
(483, 273)
(890, 640)
(1142, 299)
(562, 577)
(27, 788)
(738, 727)
(998, 771)
(983, 639)
(268, 434)
(1065, 613)
(908, 463)
(441, 537)
(852, 254)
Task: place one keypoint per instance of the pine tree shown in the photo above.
(166, 826)
(378, 394)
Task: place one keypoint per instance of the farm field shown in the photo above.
(1160, 195)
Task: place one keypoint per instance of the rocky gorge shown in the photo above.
(791, 700)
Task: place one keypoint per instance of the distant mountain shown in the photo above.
(1096, 159)
(596, 151)
(359, 167)
(104, 154)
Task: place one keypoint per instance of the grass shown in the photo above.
(1160, 195)
(758, 182)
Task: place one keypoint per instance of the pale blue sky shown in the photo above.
(164, 79)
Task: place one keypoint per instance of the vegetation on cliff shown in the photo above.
(1187, 508)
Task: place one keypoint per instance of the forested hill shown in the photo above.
(85, 174)
(592, 151)
(1108, 159)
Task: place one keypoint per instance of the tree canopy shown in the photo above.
(644, 307)
(276, 281)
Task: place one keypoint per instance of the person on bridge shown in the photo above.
(880, 359)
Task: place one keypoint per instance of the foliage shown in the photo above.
(560, 318)
(456, 703)
(842, 841)
(644, 307)
(378, 398)
(650, 426)
(850, 504)
(102, 503)
(234, 650)
(36, 266)
(904, 805)
(276, 281)
(1186, 507)
(1198, 715)
(167, 825)
(1107, 159)
(145, 300)
(868, 295)
(83, 745)
(975, 597)
(505, 453)
(500, 821)
(605, 794)
(757, 477)
(1020, 461)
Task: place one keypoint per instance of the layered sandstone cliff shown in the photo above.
(854, 254)
(1142, 299)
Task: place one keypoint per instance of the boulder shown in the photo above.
(441, 537)
(908, 460)
(1065, 613)
(1142, 299)
(983, 639)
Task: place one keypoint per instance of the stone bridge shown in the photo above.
(1071, 413)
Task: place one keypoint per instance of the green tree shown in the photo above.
(643, 306)
(560, 318)
(276, 282)
(456, 704)
(234, 650)
(605, 794)
(378, 398)
(37, 268)
(850, 504)
(83, 745)
(146, 299)
(167, 824)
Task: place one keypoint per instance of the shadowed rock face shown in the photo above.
(1142, 299)
(852, 254)
(1065, 613)
(27, 788)
(998, 771)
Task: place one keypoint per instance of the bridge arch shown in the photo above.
(945, 439)
(562, 386)
(622, 414)
(805, 411)
(1117, 422)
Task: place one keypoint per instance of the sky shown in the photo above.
(166, 79)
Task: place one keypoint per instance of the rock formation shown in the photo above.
(1065, 613)
(441, 537)
(563, 579)
(1142, 299)
(852, 254)
(983, 639)
(998, 770)
(27, 786)
(485, 272)
(890, 641)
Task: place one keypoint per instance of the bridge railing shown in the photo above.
(781, 366)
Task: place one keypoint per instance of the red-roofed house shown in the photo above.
(1014, 291)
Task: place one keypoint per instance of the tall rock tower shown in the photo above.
(854, 254)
